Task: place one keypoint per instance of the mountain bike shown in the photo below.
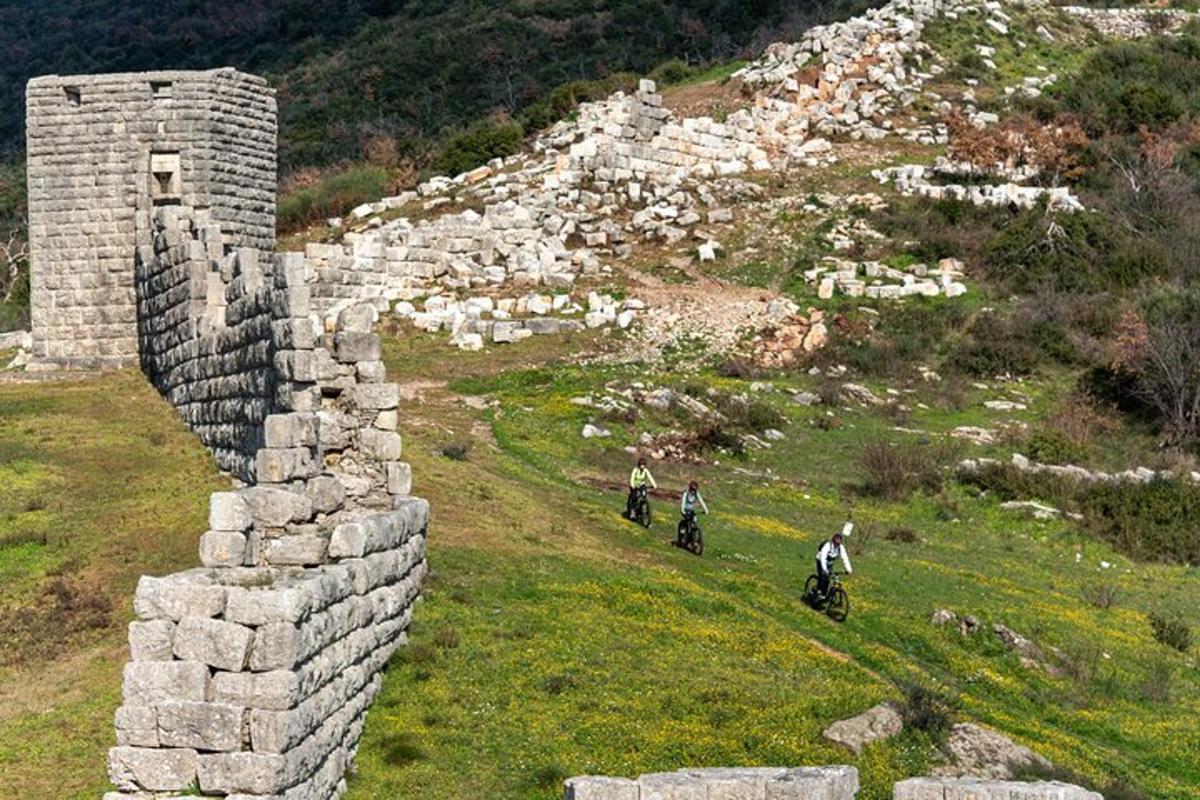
(835, 604)
(640, 513)
(688, 535)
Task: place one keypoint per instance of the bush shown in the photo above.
(478, 145)
(332, 196)
(1101, 595)
(1171, 631)
(458, 450)
(928, 710)
(893, 473)
(674, 71)
(905, 535)
(1159, 680)
(1050, 446)
(1154, 521)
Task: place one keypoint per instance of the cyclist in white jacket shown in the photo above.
(828, 554)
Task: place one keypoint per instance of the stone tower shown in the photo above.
(104, 151)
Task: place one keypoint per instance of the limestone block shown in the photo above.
(296, 550)
(284, 464)
(151, 683)
(380, 445)
(137, 726)
(223, 549)
(276, 690)
(736, 783)
(326, 493)
(151, 641)
(220, 644)
(261, 605)
(134, 768)
(290, 430)
(350, 348)
(348, 540)
(176, 596)
(599, 788)
(377, 396)
(804, 783)
(671, 786)
(271, 507)
(371, 371)
(276, 646)
(399, 478)
(203, 726)
(227, 512)
(251, 773)
(360, 318)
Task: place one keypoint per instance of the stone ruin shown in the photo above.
(152, 229)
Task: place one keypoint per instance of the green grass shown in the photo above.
(582, 644)
(99, 483)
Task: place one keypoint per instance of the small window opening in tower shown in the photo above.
(165, 182)
(161, 90)
(72, 94)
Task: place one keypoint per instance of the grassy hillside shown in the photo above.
(99, 483)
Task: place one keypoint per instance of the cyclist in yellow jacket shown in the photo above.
(638, 479)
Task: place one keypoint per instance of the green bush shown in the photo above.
(1049, 446)
(995, 345)
(670, 72)
(333, 196)
(1154, 521)
(1171, 631)
(478, 145)
(928, 710)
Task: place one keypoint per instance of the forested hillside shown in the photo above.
(351, 71)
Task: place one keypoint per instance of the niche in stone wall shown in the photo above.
(161, 90)
(73, 95)
(166, 187)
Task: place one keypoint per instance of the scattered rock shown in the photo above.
(873, 725)
(983, 753)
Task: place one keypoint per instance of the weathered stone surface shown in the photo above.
(381, 445)
(151, 683)
(600, 788)
(873, 725)
(151, 641)
(983, 753)
(273, 508)
(137, 726)
(177, 596)
(251, 773)
(227, 512)
(259, 606)
(326, 493)
(296, 550)
(134, 769)
(976, 789)
(219, 644)
(202, 726)
(223, 549)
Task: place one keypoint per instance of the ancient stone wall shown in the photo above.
(805, 783)
(251, 676)
(103, 151)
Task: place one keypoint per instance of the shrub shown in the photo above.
(674, 71)
(458, 450)
(1160, 677)
(893, 473)
(1156, 521)
(905, 535)
(1050, 446)
(1101, 595)
(1171, 631)
(478, 145)
(715, 436)
(332, 196)
(928, 710)
(446, 638)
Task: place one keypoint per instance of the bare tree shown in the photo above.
(1163, 356)
(14, 258)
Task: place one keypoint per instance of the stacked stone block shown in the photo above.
(742, 783)
(251, 676)
(103, 151)
(977, 789)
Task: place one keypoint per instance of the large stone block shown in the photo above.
(251, 773)
(290, 430)
(277, 690)
(137, 726)
(352, 347)
(600, 788)
(220, 644)
(277, 645)
(273, 508)
(151, 641)
(185, 594)
(377, 396)
(296, 550)
(223, 549)
(671, 786)
(281, 465)
(227, 512)
(326, 493)
(259, 606)
(807, 783)
(151, 683)
(202, 726)
(133, 769)
(380, 445)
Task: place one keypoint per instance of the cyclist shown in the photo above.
(830, 551)
(691, 498)
(638, 480)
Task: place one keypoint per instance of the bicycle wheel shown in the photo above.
(697, 543)
(839, 605)
(644, 514)
(810, 589)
